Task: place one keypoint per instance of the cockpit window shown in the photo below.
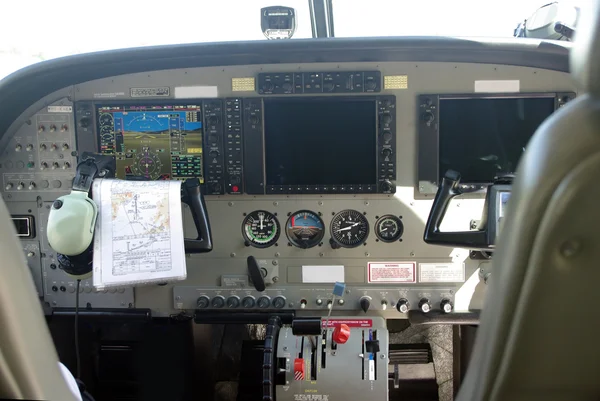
(68, 27)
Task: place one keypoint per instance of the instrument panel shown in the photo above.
(321, 171)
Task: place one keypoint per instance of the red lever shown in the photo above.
(341, 333)
(298, 369)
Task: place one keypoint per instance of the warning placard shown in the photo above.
(441, 272)
(392, 272)
(348, 322)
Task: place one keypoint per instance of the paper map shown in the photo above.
(139, 232)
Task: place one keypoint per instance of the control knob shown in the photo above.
(212, 138)
(248, 302)
(268, 86)
(386, 118)
(216, 187)
(287, 87)
(213, 120)
(235, 180)
(254, 119)
(213, 153)
(218, 301)
(370, 85)
(202, 302)
(427, 102)
(20, 186)
(328, 86)
(233, 301)
(303, 304)
(84, 122)
(279, 302)
(424, 305)
(387, 186)
(263, 302)
(341, 334)
(403, 306)
(446, 305)
(386, 152)
(365, 303)
(428, 117)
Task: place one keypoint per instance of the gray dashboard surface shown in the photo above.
(209, 273)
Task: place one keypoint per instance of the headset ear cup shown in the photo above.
(78, 265)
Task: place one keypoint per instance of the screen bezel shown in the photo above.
(324, 189)
(159, 102)
(429, 136)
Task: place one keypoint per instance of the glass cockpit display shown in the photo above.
(156, 142)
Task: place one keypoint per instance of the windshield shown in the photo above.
(67, 27)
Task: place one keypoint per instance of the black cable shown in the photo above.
(77, 330)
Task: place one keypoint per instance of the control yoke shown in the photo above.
(484, 237)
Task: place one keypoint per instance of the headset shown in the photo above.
(73, 217)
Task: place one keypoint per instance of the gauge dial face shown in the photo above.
(389, 228)
(261, 229)
(106, 120)
(349, 228)
(305, 229)
(146, 164)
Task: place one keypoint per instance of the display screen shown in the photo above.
(157, 142)
(320, 141)
(483, 138)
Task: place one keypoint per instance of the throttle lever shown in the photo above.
(255, 274)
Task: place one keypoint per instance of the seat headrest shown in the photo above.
(585, 56)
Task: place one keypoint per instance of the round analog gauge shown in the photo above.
(305, 229)
(260, 229)
(349, 228)
(146, 164)
(389, 228)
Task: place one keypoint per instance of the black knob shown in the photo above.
(233, 301)
(218, 301)
(328, 86)
(248, 302)
(427, 102)
(214, 153)
(386, 118)
(365, 304)
(268, 86)
(213, 120)
(428, 117)
(263, 302)
(84, 122)
(215, 187)
(254, 119)
(202, 302)
(370, 85)
(387, 186)
(334, 244)
(446, 305)
(279, 302)
(255, 274)
(386, 152)
(387, 136)
(213, 138)
(287, 87)
(235, 179)
(403, 306)
(424, 305)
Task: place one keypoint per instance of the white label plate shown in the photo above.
(498, 86)
(188, 92)
(441, 272)
(322, 274)
(60, 109)
(392, 272)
